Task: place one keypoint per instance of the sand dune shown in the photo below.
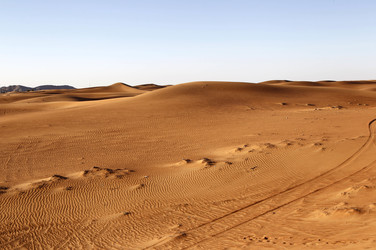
(334, 84)
(149, 86)
(201, 165)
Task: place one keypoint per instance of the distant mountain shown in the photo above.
(44, 87)
(20, 88)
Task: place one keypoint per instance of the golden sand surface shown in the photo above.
(200, 165)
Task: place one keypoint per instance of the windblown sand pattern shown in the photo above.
(202, 165)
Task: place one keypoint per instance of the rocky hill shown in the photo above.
(20, 88)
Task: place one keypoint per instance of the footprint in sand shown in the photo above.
(3, 189)
(106, 172)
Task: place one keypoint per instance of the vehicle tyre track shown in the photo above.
(331, 180)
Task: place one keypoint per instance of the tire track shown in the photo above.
(207, 226)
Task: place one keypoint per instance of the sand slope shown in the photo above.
(209, 165)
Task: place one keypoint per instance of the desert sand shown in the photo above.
(200, 165)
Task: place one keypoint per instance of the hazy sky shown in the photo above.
(88, 43)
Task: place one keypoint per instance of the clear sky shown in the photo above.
(91, 42)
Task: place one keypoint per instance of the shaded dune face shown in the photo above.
(208, 165)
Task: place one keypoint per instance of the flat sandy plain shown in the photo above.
(201, 165)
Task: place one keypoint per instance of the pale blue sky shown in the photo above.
(88, 43)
